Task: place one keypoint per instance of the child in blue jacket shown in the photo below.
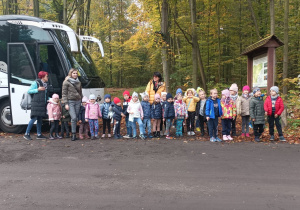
(104, 112)
(156, 115)
(213, 111)
(147, 113)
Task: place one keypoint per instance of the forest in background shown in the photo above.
(192, 42)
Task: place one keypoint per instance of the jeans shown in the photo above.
(38, 125)
(117, 128)
(258, 129)
(54, 127)
(133, 126)
(190, 122)
(271, 120)
(226, 126)
(128, 127)
(94, 127)
(213, 127)
(168, 126)
(74, 107)
(233, 128)
(106, 122)
(245, 124)
(202, 120)
(147, 124)
(179, 125)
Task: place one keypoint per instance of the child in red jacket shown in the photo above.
(273, 108)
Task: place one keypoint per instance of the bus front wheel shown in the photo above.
(5, 119)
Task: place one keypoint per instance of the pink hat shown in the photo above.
(246, 87)
(156, 96)
(226, 93)
(234, 87)
(54, 96)
(84, 99)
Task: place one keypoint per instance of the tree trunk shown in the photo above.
(272, 17)
(219, 41)
(194, 43)
(80, 17)
(165, 36)
(254, 18)
(65, 13)
(109, 40)
(36, 8)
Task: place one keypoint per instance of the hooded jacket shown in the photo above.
(117, 112)
(105, 109)
(180, 109)
(209, 109)
(125, 106)
(151, 92)
(146, 109)
(136, 108)
(156, 111)
(229, 109)
(81, 115)
(169, 112)
(243, 106)
(92, 111)
(191, 102)
(257, 110)
(54, 110)
(66, 114)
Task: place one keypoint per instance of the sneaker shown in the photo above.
(92, 137)
(119, 136)
(272, 138)
(243, 135)
(41, 136)
(198, 129)
(218, 139)
(257, 139)
(212, 139)
(229, 138)
(81, 137)
(150, 136)
(225, 138)
(51, 137)
(188, 133)
(142, 137)
(103, 136)
(126, 136)
(234, 134)
(58, 136)
(96, 137)
(192, 133)
(109, 135)
(27, 137)
(281, 138)
(247, 135)
(116, 137)
(168, 137)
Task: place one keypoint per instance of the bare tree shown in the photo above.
(165, 36)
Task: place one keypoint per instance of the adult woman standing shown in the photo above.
(38, 104)
(154, 86)
(71, 97)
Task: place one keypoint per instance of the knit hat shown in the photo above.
(179, 91)
(226, 93)
(234, 87)
(54, 96)
(126, 92)
(275, 88)
(143, 95)
(190, 89)
(107, 96)
(255, 89)
(135, 94)
(156, 96)
(169, 95)
(92, 96)
(163, 93)
(84, 99)
(117, 100)
(246, 87)
(199, 89)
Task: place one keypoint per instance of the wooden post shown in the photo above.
(250, 72)
(271, 68)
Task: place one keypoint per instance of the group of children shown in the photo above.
(167, 111)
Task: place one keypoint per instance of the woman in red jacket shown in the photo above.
(273, 108)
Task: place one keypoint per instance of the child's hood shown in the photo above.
(190, 89)
(132, 102)
(52, 102)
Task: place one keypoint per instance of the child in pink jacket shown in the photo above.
(92, 113)
(54, 113)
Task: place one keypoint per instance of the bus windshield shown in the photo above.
(81, 61)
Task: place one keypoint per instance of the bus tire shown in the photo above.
(5, 119)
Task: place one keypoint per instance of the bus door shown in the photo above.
(21, 73)
(49, 61)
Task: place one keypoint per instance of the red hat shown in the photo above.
(126, 92)
(117, 100)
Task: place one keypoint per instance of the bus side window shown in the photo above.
(20, 66)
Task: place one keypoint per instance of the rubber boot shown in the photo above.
(154, 134)
(74, 137)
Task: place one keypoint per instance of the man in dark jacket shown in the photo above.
(169, 114)
(118, 114)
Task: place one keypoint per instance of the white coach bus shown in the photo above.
(29, 45)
